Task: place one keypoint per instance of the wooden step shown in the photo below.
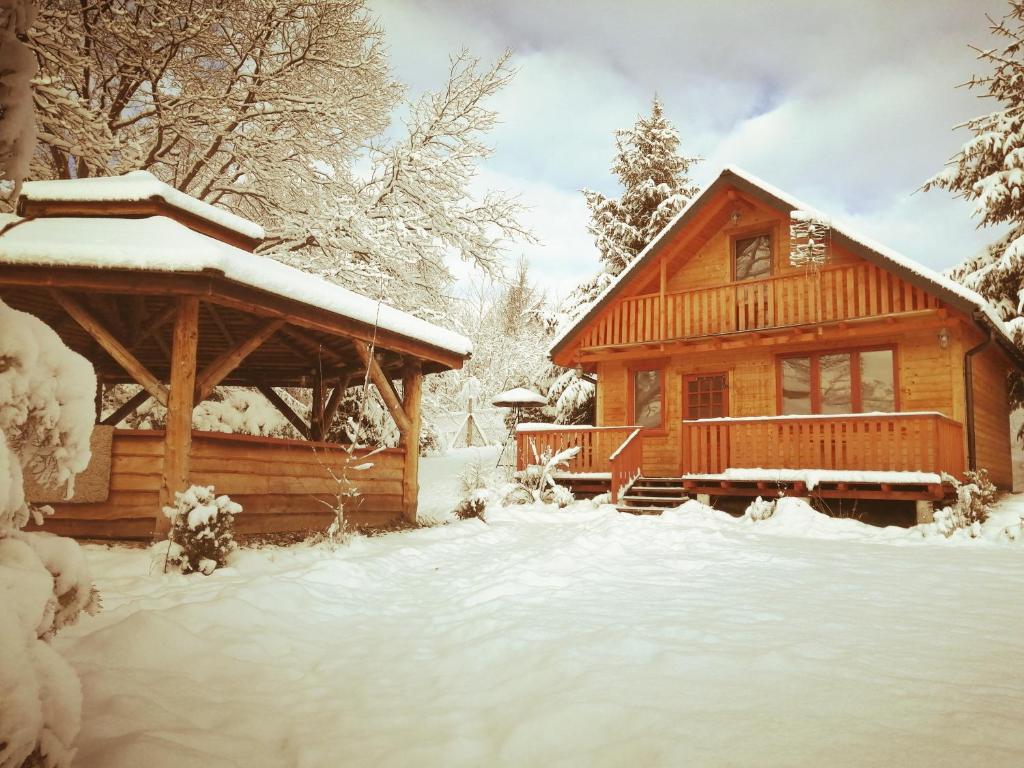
(653, 501)
(660, 490)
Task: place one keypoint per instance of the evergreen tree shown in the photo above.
(655, 187)
(989, 170)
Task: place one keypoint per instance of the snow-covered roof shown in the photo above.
(135, 187)
(886, 257)
(160, 244)
(518, 396)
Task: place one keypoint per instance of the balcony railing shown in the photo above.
(802, 298)
(912, 442)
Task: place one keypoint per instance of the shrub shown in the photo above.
(974, 499)
(473, 482)
(202, 527)
(761, 509)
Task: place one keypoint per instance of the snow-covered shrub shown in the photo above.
(474, 480)
(430, 440)
(46, 416)
(537, 481)
(974, 499)
(473, 505)
(241, 411)
(760, 509)
(202, 525)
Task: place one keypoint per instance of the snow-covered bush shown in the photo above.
(241, 411)
(760, 509)
(537, 481)
(46, 416)
(473, 505)
(474, 480)
(974, 499)
(202, 529)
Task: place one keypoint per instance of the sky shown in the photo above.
(849, 106)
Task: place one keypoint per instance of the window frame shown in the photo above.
(726, 405)
(856, 401)
(631, 372)
(762, 230)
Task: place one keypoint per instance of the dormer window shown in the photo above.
(752, 257)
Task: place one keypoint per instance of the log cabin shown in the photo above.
(159, 289)
(740, 356)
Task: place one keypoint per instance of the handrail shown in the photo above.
(823, 417)
(626, 463)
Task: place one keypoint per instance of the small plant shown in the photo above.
(202, 528)
(537, 482)
(761, 509)
(974, 499)
(473, 482)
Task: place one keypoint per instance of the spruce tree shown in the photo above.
(989, 171)
(656, 186)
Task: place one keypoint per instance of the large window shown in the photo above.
(647, 398)
(838, 382)
(752, 257)
(707, 396)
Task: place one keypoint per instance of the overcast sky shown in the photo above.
(849, 106)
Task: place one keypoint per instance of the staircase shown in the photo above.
(652, 495)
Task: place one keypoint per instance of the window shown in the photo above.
(752, 257)
(707, 396)
(838, 382)
(647, 398)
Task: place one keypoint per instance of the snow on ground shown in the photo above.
(572, 637)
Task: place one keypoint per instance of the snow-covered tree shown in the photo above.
(46, 416)
(278, 110)
(17, 68)
(989, 170)
(202, 531)
(656, 186)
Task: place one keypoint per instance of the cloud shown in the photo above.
(849, 106)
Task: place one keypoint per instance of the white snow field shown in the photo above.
(565, 637)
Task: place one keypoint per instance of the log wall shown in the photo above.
(279, 484)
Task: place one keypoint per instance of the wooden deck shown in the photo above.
(835, 294)
(892, 442)
(279, 483)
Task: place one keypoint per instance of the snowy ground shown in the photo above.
(572, 637)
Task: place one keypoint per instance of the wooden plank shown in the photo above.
(178, 429)
(112, 345)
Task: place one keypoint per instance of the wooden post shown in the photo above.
(316, 410)
(412, 389)
(178, 435)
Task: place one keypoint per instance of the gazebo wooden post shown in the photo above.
(181, 399)
(412, 390)
(316, 408)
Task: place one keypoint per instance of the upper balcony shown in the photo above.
(830, 295)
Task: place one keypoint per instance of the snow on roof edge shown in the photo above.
(117, 243)
(136, 186)
(937, 279)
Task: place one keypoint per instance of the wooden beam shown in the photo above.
(385, 387)
(127, 408)
(412, 390)
(178, 431)
(215, 372)
(333, 402)
(286, 410)
(219, 322)
(114, 348)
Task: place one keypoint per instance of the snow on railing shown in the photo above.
(595, 443)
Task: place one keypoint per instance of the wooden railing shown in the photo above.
(800, 298)
(596, 445)
(626, 463)
(913, 442)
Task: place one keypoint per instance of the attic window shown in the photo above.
(752, 257)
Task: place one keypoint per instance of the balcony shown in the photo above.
(834, 294)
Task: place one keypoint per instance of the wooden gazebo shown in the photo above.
(162, 290)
